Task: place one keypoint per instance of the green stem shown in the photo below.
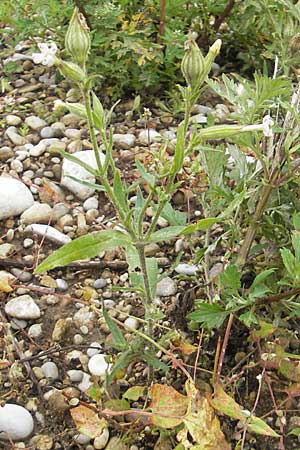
(88, 107)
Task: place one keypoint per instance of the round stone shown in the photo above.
(23, 307)
(35, 330)
(61, 284)
(90, 203)
(95, 350)
(131, 323)
(98, 366)
(15, 422)
(50, 370)
(100, 283)
(15, 197)
(101, 441)
(186, 269)
(166, 287)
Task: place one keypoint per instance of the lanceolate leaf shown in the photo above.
(226, 404)
(257, 425)
(84, 247)
(166, 233)
(119, 191)
(119, 341)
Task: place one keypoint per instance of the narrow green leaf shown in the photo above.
(261, 277)
(156, 363)
(78, 161)
(98, 113)
(258, 426)
(179, 150)
(119, 191)
(84, 247)
(97, 187)
(122, 362)
(201, 225)
(119, 341)
(288, 260)
(152, 271)
(166, 233)
(150, 179)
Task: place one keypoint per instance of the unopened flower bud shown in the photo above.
(213, 52)
(77, 40)
(71, 71)
(192, 64)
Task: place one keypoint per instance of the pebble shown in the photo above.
(6, 250)
(82, 439)
(35, 123)
(186, 269)
(49, 232)
(23, 307)
(50, 370)
(5, 153)
(61, 284)
(124, 141)
(22, 275)
(60, 329)
(93, 351)
(75, 376)
(50, 132)
(35, 331)
(42, 442)
(98, 366)
(16, 421)
(59, 210)
(27, 243)
(131, 323)
(13, 120)
(166, 287)
(78, 339)
(15, 197)
(73, 133)
(37, 213)
(149, 136)
(84, 317)
(70, 168)
(100, 283)
(86, 382)
(90, 203)
(12, 134)
(17, 166)
(18, 324)
(101, 441)
(42, 146)
(198, 118)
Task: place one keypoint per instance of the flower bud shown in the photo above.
(71, 71)
(77, 40)
(213, 52)
(192, 64)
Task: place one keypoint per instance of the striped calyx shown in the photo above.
(71, 71)
(77, 40)
(192, 65)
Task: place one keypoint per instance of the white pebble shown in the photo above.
(98, 365)
(50, 370)
(93, 351)
(131, 323)
(16, 421)
(101, 441)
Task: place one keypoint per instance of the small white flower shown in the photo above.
(47, 55)
(268, 122)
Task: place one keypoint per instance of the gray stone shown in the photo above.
(90, 203)
(42, 146)
(50, 132)
(166, 287)
(6, 250)
(38, 212)
(49, 232)
(15, 197)
(94, 349)
(15, 422)
(124, 141)
(23, 307)
(75, 375)
(61, 284)
(35, 331)
(70, 168)
(50, 370)
(35, 123)
(186, 269)
(100, 283)
(198, 118)
(149, 136)
(59, 210)
(73, 133)
(5, 153)
(12, 134)
(13, 120)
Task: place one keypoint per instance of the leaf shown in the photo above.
(121, 363)
(150, 179)
(179, 149)
(258, 426)
(210, 315)
(119, 341)
(84, 247)
(155, 362)
(117, 404)
(230, 278)
(165, 234)
(261, 277)
(173, 216)
(294, 432)
(120, 192)
(95, 392)
(288, 260)
(98, 113)
(226, 404)
(248, 318)
(201, 225)
(152, 271)
(290, 369)
(168, 406)
(266, 329)
(201, 423)
(87, 421)
(134, 393)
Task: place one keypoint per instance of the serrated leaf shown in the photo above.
(134, 393)
(119, 341)
(84, 247)
(288, 260)
(210, 315)
(258, 426)
(87, 421)
(230, 278)
(266, 329)
(168, 406)
(248, 318)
